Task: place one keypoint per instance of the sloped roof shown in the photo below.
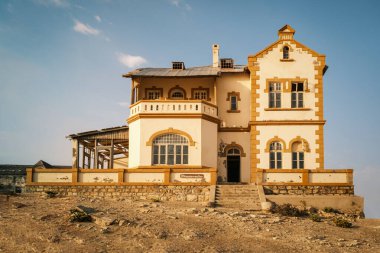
(99, 133)
(42, 164)
(205, 71)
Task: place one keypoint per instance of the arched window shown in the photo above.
(275, 155)
(234, 152)
(177, 94)
(170, 149)
(285, 52)
(298, 156)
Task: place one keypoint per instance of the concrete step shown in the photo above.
(237, 196)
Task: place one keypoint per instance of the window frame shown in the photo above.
(176, 89)
(153, 89)
(233, 98)
(297, 96)
(172, 151)
(275, 90)
(194, 92)
(275, 155)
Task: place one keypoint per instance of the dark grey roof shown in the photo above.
(42, 164)
(204, 71)
(13, 169)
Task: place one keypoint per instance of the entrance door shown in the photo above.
(233, 165)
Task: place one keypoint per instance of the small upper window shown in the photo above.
(201, 94)
(177, 94)
(233, 100)
(154, 94)
(285, 52)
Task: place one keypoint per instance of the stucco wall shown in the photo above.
(287, 133)
(141, 155)
(302, 67)
(238, 82)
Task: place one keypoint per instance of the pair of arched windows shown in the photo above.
(275, 155)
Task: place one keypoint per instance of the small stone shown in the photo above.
(121, 222)
(18, 205)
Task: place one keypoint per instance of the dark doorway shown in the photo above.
(233, 168)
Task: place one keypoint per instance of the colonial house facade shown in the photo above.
(192, 131)
(267, 114)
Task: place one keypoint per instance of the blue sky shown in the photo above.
(61, 63)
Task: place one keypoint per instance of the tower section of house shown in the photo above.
(286, 106)
(173, 117)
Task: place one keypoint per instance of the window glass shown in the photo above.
(297, 95)
(170, 149)
(285, 52)
(275, 155)
(200, 94)
(177, 94)
(233, 103)
(274, 95)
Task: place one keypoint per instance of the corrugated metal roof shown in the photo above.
(115, 132)
(194, 72)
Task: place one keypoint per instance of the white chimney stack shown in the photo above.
(215, 55)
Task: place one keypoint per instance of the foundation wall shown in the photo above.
(133, 192)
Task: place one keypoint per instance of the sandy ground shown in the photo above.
(32, 223)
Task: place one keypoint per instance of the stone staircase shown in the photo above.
(237, 196)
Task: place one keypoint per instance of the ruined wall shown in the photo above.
(12, 183)
(137, 192)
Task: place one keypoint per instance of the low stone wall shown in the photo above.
(308, 190)
(134, 192)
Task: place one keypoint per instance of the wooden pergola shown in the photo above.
(99, 149)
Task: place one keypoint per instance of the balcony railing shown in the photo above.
(174, 107)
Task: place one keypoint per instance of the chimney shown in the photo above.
(215, 55)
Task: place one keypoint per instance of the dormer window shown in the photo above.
(178, 65)
(227, 63)
(285, 52)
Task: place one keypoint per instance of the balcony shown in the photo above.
(174, 107)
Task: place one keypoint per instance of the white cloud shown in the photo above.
(124, 104)
(181, 4)
(131, 61)
(98, 18)
(56, 3)
(85, 29)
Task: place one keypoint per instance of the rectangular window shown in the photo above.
(233, 100)
(274, 95)
(201, 94)
(297, 95)
(153, 94)
(298, 160)
(185, 154)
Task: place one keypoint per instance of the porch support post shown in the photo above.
(96, 157)
(75, 154)
(110, 166)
